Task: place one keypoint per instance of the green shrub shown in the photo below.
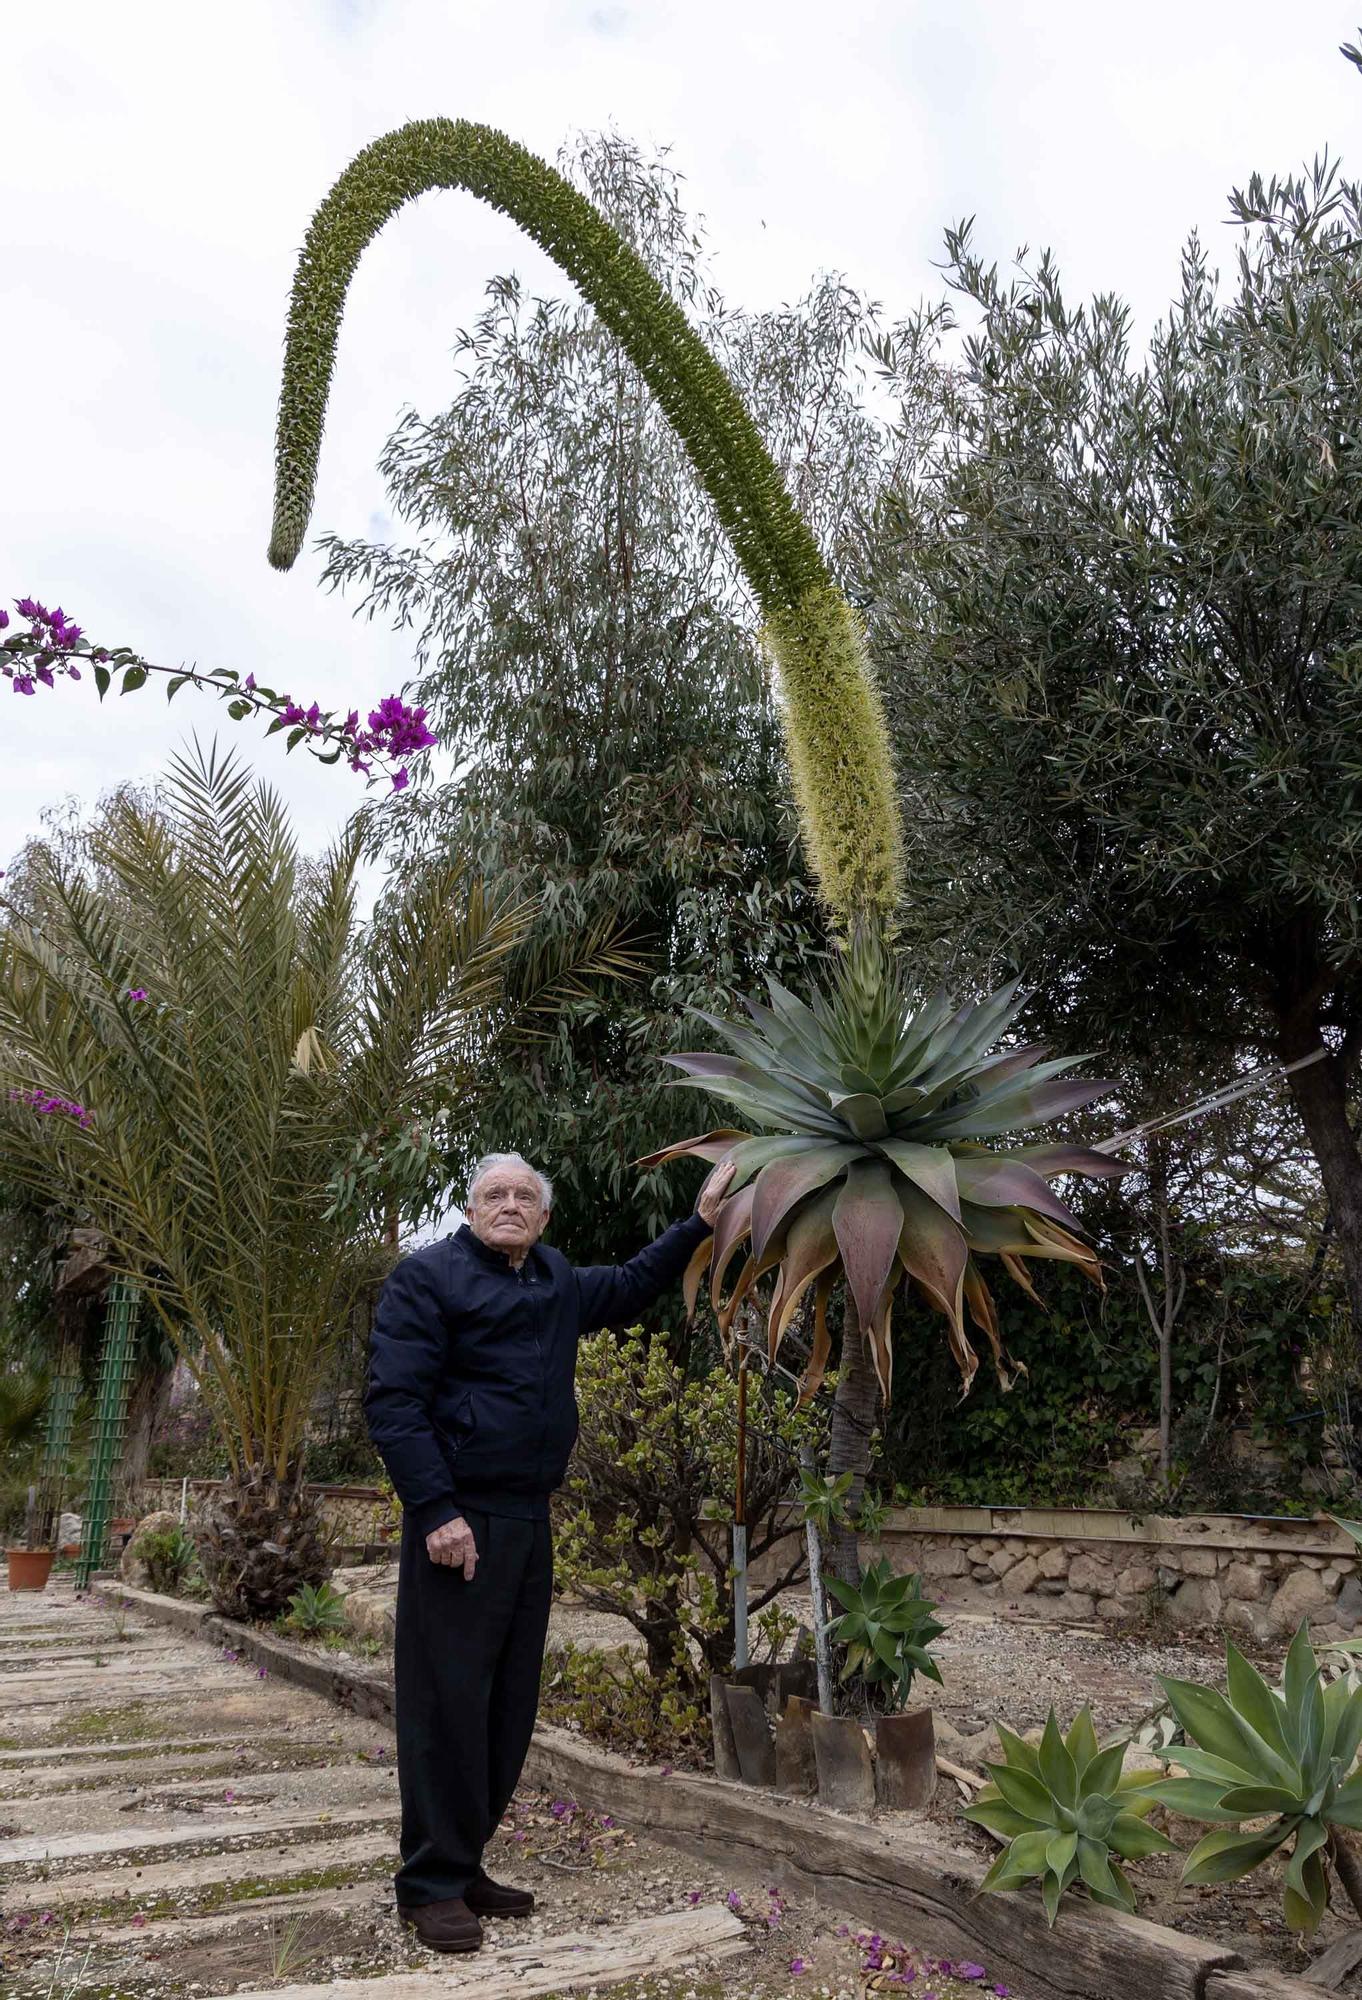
(644, 1524)
(169, 1555)
(613, 1698)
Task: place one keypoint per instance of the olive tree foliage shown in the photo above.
(1117, 602)
(587, 646)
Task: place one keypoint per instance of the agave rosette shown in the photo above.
(868, 1161)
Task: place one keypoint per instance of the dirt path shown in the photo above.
(175, 1825)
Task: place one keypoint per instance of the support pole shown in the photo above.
(741, 1653)
(111, 1416)
(821, 1650)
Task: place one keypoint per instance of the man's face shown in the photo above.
(507, 1210)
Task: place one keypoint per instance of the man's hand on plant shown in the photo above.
(452, 1544)
(713, 1191)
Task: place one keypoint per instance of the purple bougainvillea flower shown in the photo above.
(693, 1896)
(4, 620)
(137, 993)
(262, 1674)
(29, 607)
(967, 1969)
(798, 1965)
(733, 1900)
(400, 785)
(249, 684)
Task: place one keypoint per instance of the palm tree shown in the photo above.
(197, 1046)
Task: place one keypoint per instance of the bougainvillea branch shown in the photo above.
(52, 646)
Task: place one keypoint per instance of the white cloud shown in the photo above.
(161, 163)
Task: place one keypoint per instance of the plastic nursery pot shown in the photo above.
(29, 1569)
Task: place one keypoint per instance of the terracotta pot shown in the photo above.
(905, 1760)
(846, 1771)
(69, 1549)
(29, 1569)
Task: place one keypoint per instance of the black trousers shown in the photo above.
(467, 1665)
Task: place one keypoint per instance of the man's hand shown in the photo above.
(713, 1192)
(453, 1545)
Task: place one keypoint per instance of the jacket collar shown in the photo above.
(487, 1252)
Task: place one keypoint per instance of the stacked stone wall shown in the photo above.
(1259, 1578)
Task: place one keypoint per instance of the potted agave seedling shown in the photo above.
(884, 1752)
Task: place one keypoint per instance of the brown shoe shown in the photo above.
(446, 1926)
(497, 1899)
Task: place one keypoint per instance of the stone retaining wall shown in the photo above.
(1259, 1576)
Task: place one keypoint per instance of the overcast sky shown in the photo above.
(160, 164)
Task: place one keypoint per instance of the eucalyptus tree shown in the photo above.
(1118, 608)
(836, 741)
(585, 647)
(191, 1063)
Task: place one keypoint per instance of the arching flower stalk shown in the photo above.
(834, 722)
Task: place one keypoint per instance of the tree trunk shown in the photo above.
(1320, 1094)
(147, 1405)
(853, 1420)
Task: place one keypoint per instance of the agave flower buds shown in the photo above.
(871, 1167)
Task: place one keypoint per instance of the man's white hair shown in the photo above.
(489, 1163)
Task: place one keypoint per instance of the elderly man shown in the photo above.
(470, 1404)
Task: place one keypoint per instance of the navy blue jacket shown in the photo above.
(470, 1398)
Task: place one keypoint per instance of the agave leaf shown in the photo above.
(1095, 1869)
(1252, 1801)
(1060, 1851)
(811, 1247)
(1048, 1237)
(930, 1168)
(997, 1182)
(861, 1112)
(1226, 1856)
(1133, 1838)
(1052, 1888)
(1201, 1764)
(1209, 1721)
(932, 1250)
(1057, 1767)
(777, 1101)
(1305, 1905)
(714, 1146)
(753, 1154)
(812, 1379)
(1023, 1756)
(1197, 1798)
(1000, 1818)
(1299, 1676)
(1083, 1743)
(1103, 1771)
(783, 1183)
(1024, 1793)
(694, 1273)
(731, 1226)
(1017, 1863)
(881, 1346)
(979, 1024)
(1050, 1160)
(1255, 1701)
(868, 1221)
(1347, 1731)
(1015, 1106)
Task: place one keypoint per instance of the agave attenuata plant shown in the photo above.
(869, 1162)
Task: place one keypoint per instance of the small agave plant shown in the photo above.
(871, 1164)
(1282, 1755)
(1068, 1813)
(887, 1629)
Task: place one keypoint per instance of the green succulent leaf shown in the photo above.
(1225, 1857)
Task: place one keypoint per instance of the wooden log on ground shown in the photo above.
(564, 1964)
(889, 1876)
